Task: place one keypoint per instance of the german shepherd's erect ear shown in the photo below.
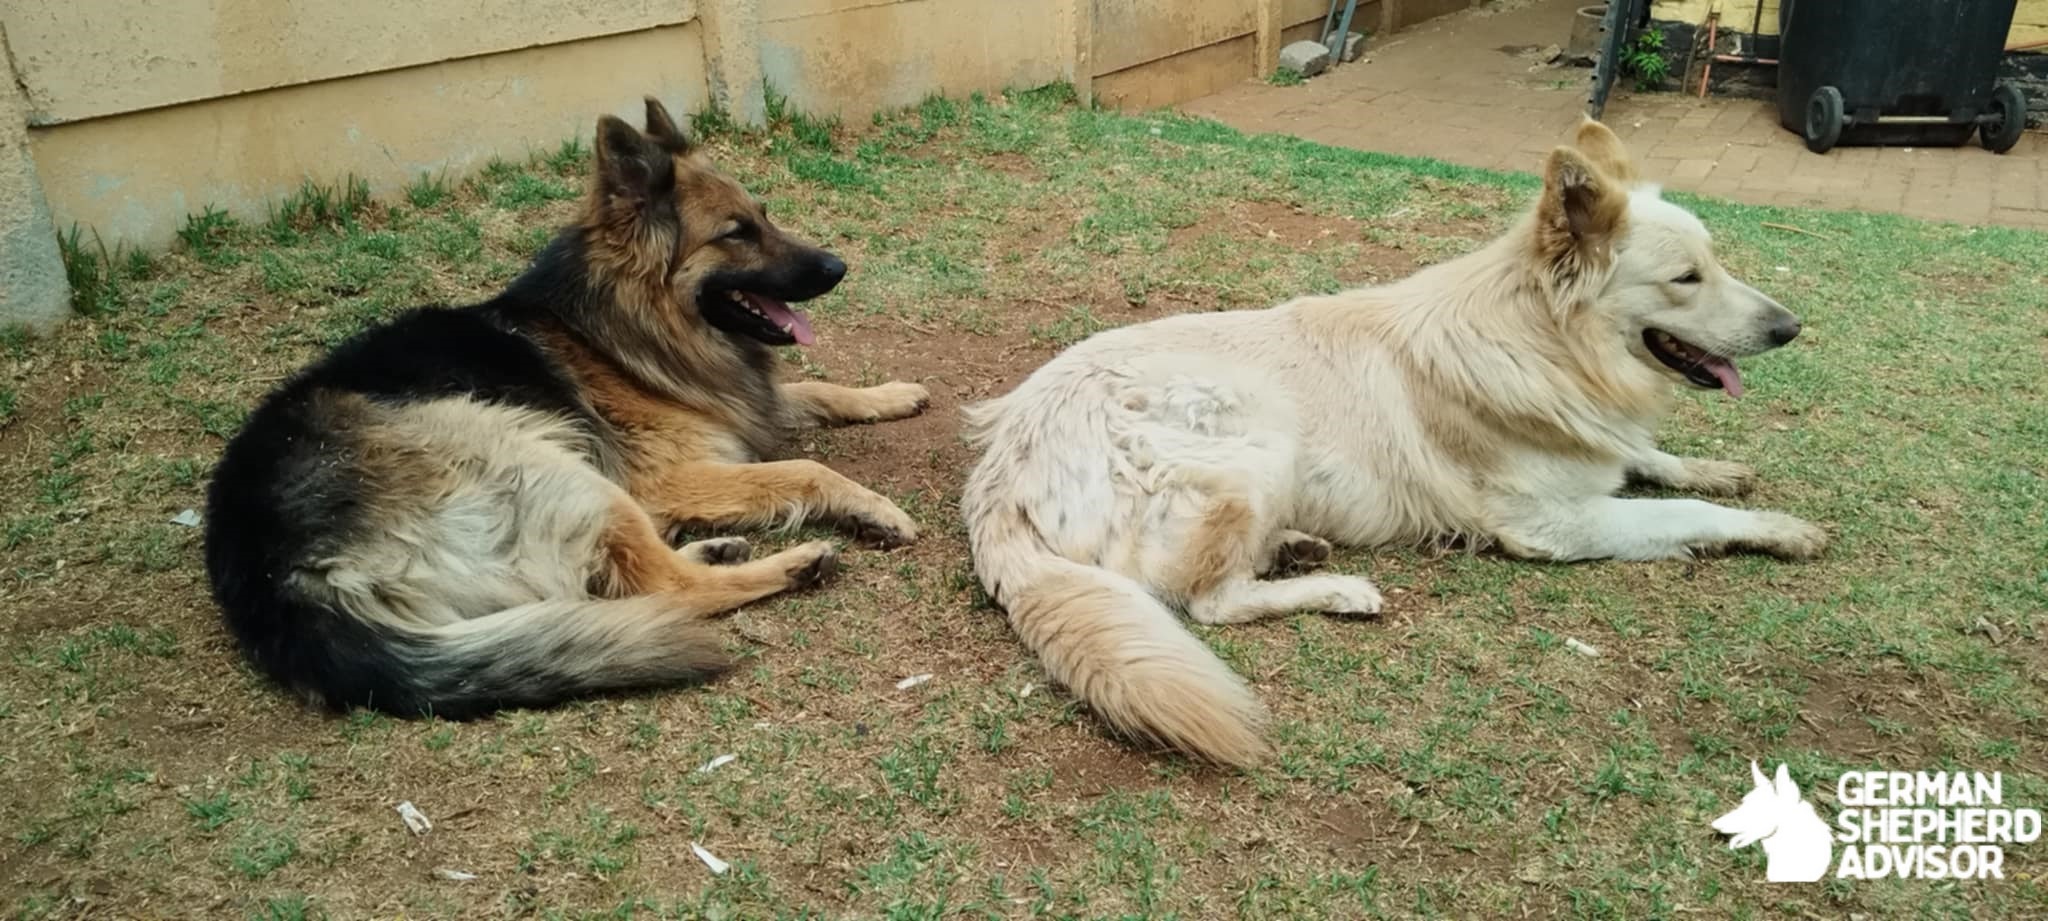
(636, 177)
(663, 129)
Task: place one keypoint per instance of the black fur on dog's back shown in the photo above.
(289, 490)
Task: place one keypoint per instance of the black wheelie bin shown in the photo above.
(1919, 72)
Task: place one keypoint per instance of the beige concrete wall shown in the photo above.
(81, 59)
(125, 116)
(134, 177)
(853, 57)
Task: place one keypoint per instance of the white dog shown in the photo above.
(1797, 847)
(1501, 397)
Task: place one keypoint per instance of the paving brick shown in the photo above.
(1692, 171)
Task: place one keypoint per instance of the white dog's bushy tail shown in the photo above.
(1103, 635)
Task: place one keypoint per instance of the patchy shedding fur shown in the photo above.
(463, 509)
(1500, 398)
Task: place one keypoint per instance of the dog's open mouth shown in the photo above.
(758, 316)
(1700, 367)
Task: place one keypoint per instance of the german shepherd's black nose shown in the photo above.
(831, 269)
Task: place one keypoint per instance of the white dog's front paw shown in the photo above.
(1352, 595)
(1717, 477)
(1786, 537)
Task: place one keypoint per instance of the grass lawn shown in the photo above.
(1453, 758)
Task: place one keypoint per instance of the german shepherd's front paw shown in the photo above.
(810, 564)
(885, 525)
(895, 400)
(1717, 478)
(1788, 538)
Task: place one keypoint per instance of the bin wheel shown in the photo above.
(2008, 119)
(1823, 119)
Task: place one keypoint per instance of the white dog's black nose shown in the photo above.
(1785, 330)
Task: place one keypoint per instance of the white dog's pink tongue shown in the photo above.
(1724, 370)
(793, 321)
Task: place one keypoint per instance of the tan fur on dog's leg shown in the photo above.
(1220, 549)
(638, 562)
(831, 404)
(743, 495)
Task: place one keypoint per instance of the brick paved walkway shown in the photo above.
(1458, 89)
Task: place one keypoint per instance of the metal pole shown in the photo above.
(1335, 40)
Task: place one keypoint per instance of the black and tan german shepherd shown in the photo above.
(465, 509)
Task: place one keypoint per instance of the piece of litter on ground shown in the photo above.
(460, 876)
(1990, 631)
(716, 763)
(718, 867)
(1026, 692)
(913, 681)
(414, 818)
(1581, 648)
(189, 518)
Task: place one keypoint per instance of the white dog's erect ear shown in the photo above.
(1577, 222)
(1588, 205)
(1762, 782)
(1785, 788)
(1600, 145)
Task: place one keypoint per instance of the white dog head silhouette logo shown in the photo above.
(1797, 848)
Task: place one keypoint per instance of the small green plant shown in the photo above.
(568, 158)
(1286, 76)
(428, 190)
(211, 812)
(93, 271)
(206, 235)
(711, 122)
(1643, 60)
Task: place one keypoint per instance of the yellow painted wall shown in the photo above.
(2029, 21)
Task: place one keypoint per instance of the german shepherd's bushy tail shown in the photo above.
(1099, 633)
(533, 655)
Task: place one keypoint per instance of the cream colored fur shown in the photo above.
(1501, 397)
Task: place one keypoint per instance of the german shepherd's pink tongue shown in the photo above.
(1724, 370)
(798, 326)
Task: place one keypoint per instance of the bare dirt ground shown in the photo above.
(1451, 758)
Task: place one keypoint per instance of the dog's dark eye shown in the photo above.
(740, 230)
(1689, 278)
